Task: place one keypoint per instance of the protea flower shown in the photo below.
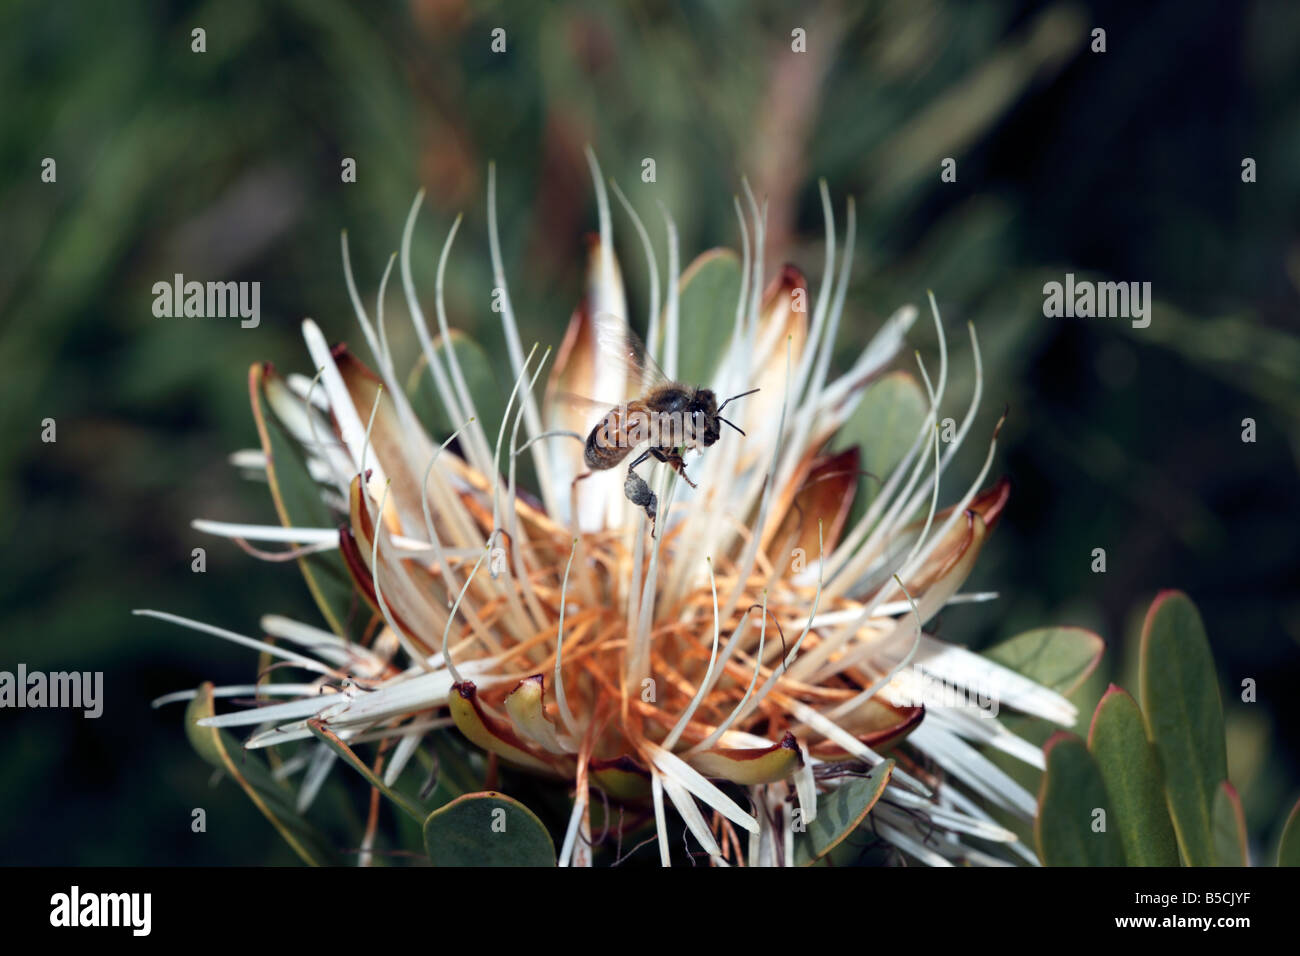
(745, 664)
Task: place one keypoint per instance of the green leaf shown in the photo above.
(1069, 830)
(883, 426)
(1184, 718)
(250, 772)
(710, 287)
(1230, 847)
(1057, 657)
(839, 813)
(480, 379)
(1288, 848)
(1130, 771)
(453, 765)
(487, 829)
(335, 743)
(297, 497)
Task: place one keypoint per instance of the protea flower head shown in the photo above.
(745, 664)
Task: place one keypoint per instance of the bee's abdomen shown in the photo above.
(605, 445)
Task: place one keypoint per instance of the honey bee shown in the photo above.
(670, 416)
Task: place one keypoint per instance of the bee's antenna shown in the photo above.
(724, 421)
(732, 399)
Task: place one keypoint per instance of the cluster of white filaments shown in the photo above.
(701, 663)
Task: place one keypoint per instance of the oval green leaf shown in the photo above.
(1230, 846)
(297, 497)
(839, 813)
(1184, 719)
(251, 773)
(1288, 848)
(883, 426)
(480, 380)
(1057, 657)
(336, 744)
(487, 829)
(451, 767)
(1130, 771)
(709, 289)
(1076, 823)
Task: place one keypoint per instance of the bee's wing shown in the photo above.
(592, 409)
(617, 342)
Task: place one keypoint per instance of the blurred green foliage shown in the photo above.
(226, 165)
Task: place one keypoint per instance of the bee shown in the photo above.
(669, 416)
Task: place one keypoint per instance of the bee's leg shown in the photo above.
(573, 491)
(675, 462)
(640, 458)
(638, 492)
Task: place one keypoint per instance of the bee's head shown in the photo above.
(703, 411)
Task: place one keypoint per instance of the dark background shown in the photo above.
(1123, 165)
